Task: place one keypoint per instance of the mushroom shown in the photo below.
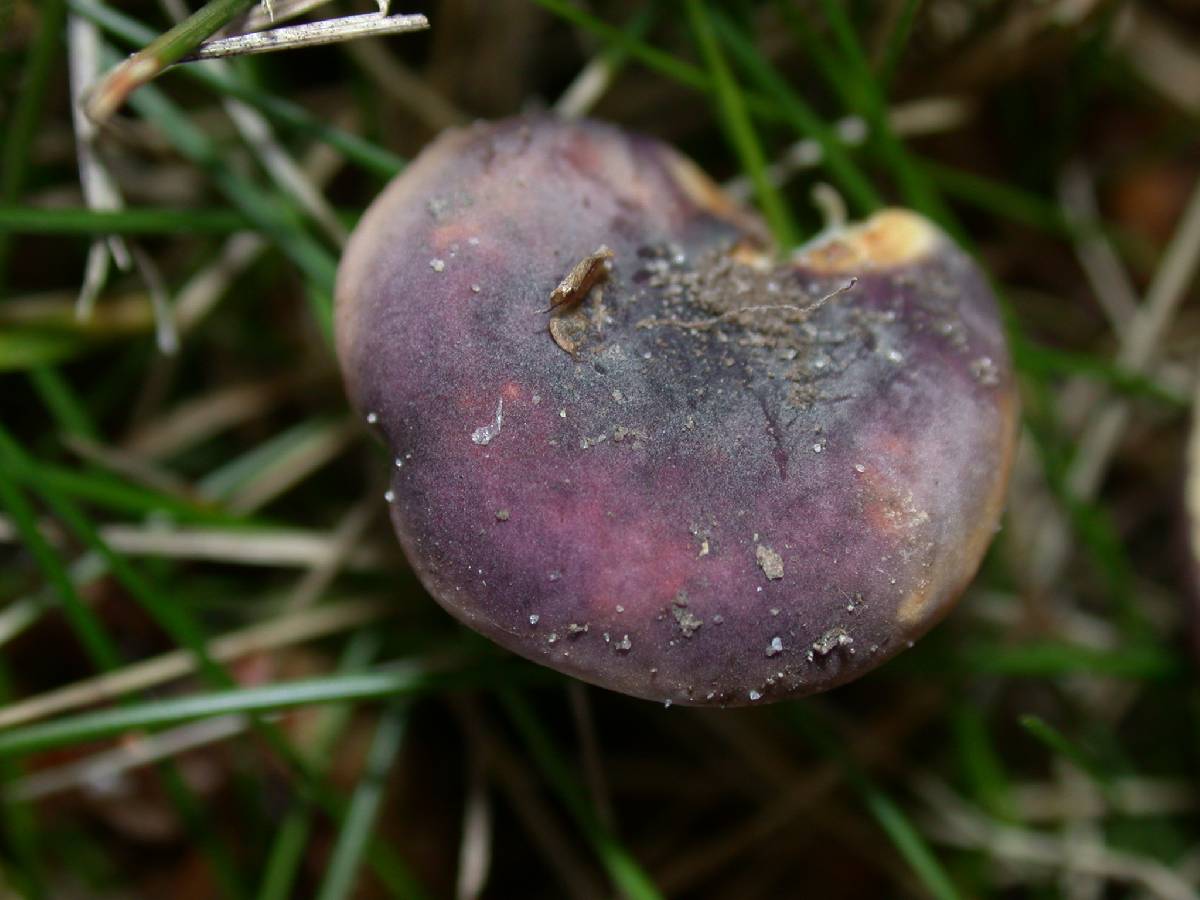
(632, 446)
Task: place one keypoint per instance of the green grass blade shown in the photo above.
(83, 622)
(897, 42)
(83, 221)
(277, 220)
(886, 812)
(18, 824)
(739, 127)
(802, 118)
(115, 495)
(177, 710)
(29, 104)
(653, 58)
(341, 874)
(1002, 199)
(980, 761)
(1058, 742)
(862, 91)
(1043, 362)
(192, 812)
(287, 852)
(244, 471)
(627, 875)
(58, 397)
(369, 156)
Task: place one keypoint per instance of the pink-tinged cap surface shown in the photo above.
(710, 478)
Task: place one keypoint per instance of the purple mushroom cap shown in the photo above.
(701, 475)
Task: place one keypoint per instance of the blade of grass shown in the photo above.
(594, 79)
(627, 875)
(857, 84)
(150, 62)
(28, 348)
(801, 117)
(308, 34)
(653, 58)
(1090, 521)
(340, 876)
(83, 622)
(1044, 362)
(980, 761)
(738, 126)
(1001, 199)
(819, 50)
(201, 828)
(263, 208)
(266, 635)
(370, 156)
(61, 401)
(105, 655)
(29, 104)
(1058, 742)
(116, 495)
(897, 42)
(18, 822)
(886, 812)
(287, 851)
(30, 220)
(245, 471)
(399, 680)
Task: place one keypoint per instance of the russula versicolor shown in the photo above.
(631, 446)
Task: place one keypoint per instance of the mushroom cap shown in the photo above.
(706, 477)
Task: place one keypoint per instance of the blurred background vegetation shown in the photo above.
(219, 679)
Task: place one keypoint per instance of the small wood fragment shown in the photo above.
(586, 273)
(568, 331)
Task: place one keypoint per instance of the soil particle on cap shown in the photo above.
(586, 273)
(769, 561)
(828, 642)
(687, 621)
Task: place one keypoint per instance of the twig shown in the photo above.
(1158, 52)
(475, 849)
(704, 324)
(202, 291)
(957, 825)
(515, 779)
(346, 536)
(310, 34)
(284, 548)
(1106, 275)
(165, 334)
(104, 768)
(930, 115)
(149, 62)
(100, 190)
(1146, 330)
